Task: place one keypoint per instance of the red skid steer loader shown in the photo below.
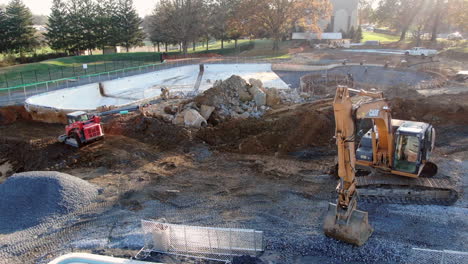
(82, 128)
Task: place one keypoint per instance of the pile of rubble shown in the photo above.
(233, 98)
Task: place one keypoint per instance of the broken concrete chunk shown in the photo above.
(256, 83)
(206, 111)
(192, 118)
(272, 97)
(244, 115)
(244, 95)
(260, 99)
(259, 95)
(179, 119)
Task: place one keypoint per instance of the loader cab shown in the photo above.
(78, 116)
(414, 142)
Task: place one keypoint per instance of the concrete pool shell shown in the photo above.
(53, 106)
(139, 88)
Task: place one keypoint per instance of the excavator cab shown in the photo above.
(414, 142)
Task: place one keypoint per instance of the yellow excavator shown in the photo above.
(391, 147)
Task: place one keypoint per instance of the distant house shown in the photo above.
(343, 17)
(40, 28)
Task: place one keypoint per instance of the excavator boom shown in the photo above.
(343, 221)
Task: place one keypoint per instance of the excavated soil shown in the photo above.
(154, 131)
(288, 129)
(437, 110)
(11, 114)
(284, 130)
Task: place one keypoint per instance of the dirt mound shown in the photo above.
(285, 130)
(28, 199)
(154, 131)
(437, 110)
(11, 114)
(296, 128)
(33, 155)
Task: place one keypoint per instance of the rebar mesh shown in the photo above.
(203, 242)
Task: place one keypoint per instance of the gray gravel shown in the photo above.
(381, 76)
(31, 198)
(375, 75)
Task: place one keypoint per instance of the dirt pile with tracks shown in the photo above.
(152, 130)
(34, 154)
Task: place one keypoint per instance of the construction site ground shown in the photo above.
(270, 174)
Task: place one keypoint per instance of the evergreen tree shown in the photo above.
(113, 30)
(58, 26)
(351, 33)
(88, 23)
(129, 22)
(3, 32)
(343, 34)
(358, 35)
(102, 24)
(20, 33)
(82, 21)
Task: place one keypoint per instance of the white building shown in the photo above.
(344, 15)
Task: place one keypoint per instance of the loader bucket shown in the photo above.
(354, 230)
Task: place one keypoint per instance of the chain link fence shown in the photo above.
(50, 73)
(429, 256)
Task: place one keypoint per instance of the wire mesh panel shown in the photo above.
(429, 256)
(204, 242)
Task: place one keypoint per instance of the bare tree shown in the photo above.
(366, 11)
(277, 17)
(398, 14)
(222, 12)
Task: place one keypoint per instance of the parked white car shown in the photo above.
(455, 36)
(419, 51)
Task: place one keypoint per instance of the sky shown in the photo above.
(42, 7)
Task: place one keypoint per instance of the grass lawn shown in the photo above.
(383, 38)
(216, 45)
(264, 47)
(459, 49)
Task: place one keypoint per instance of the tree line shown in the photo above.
(73, 26)
(77, 25)
(190, 21)
(417, 17)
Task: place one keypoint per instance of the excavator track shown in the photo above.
(384, 188)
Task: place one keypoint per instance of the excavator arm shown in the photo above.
(343, 221)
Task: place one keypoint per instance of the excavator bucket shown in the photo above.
(354, 228)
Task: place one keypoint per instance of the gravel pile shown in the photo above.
(31, 198)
